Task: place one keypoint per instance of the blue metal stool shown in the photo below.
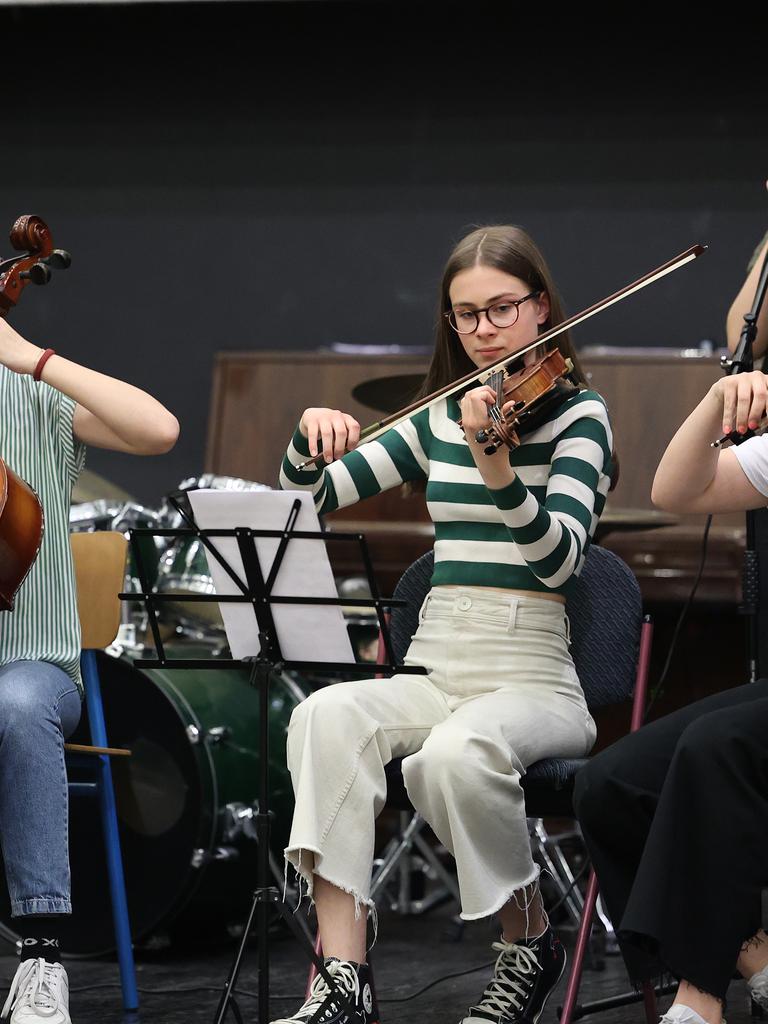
(100, 570)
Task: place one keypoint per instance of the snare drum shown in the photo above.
(184, 568)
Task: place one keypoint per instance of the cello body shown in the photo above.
(21, 533)
(21, 514)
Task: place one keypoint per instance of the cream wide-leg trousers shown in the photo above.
(501, 693)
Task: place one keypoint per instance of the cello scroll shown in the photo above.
(31, 237)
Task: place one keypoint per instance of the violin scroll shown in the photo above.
(30, 236)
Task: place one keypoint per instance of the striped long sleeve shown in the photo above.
(396, 457)
(552, 536)
(531, 535)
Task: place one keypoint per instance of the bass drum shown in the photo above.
(184, 800)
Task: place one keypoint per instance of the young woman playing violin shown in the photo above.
(512, 529)
(50, 409)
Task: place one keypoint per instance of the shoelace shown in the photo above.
(36, 984)
(318, 993)
(513, 975)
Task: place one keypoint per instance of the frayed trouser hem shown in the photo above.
(294, 856)
(513, 894)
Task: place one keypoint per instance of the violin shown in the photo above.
(21, 514)
(477, 377)
(533, 391)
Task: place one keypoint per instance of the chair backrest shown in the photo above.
(100, 573)
(604, 608)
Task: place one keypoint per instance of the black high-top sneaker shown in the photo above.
(525, 975)
(353, 978)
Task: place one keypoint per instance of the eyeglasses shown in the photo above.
(500, 314)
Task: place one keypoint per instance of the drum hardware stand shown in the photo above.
(257, 591)
(243, 822)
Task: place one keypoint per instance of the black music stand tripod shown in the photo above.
(257, 590)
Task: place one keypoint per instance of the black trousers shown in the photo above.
(675, 817)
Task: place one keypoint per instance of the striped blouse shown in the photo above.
(37, 442)
(530, 535)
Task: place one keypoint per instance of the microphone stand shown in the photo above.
(743, 362)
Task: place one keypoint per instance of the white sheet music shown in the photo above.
(305, 632)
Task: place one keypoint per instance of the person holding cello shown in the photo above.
(52, 408)
(512, 529)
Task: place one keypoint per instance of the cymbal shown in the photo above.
(388, 394)
(625, 519)
(89, 486)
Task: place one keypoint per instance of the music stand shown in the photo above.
(256, 590)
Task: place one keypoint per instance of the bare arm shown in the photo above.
(694, 477)
(742, 304)
(109, 413)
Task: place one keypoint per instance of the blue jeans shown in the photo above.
(39, 708)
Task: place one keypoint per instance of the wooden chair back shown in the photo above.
(100, 572)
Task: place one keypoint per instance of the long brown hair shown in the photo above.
(509, 248)
(505, 247)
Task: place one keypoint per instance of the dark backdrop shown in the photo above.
(291, 175)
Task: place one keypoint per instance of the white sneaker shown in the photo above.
(758, 987)
(678, 1013)
(39, 991)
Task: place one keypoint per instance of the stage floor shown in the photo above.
(185, 988)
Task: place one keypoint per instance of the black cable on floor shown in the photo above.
(289, 997)
(296, 997)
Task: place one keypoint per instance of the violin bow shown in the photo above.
(370, 433)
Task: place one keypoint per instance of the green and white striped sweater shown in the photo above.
(530, 535)
(36, 441)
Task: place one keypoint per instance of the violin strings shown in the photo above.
(495, 382)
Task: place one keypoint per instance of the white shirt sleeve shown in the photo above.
(753, 459)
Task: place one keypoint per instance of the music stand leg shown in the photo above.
(266, 896)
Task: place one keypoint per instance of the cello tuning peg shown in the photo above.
(58, 260)
(481, 436)
(38, 273)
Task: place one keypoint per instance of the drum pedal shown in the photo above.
(240, 820)
(214, 736)
(201, 858)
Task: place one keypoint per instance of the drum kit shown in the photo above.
(187, 796)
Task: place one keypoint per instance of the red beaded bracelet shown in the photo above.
(41, 363)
